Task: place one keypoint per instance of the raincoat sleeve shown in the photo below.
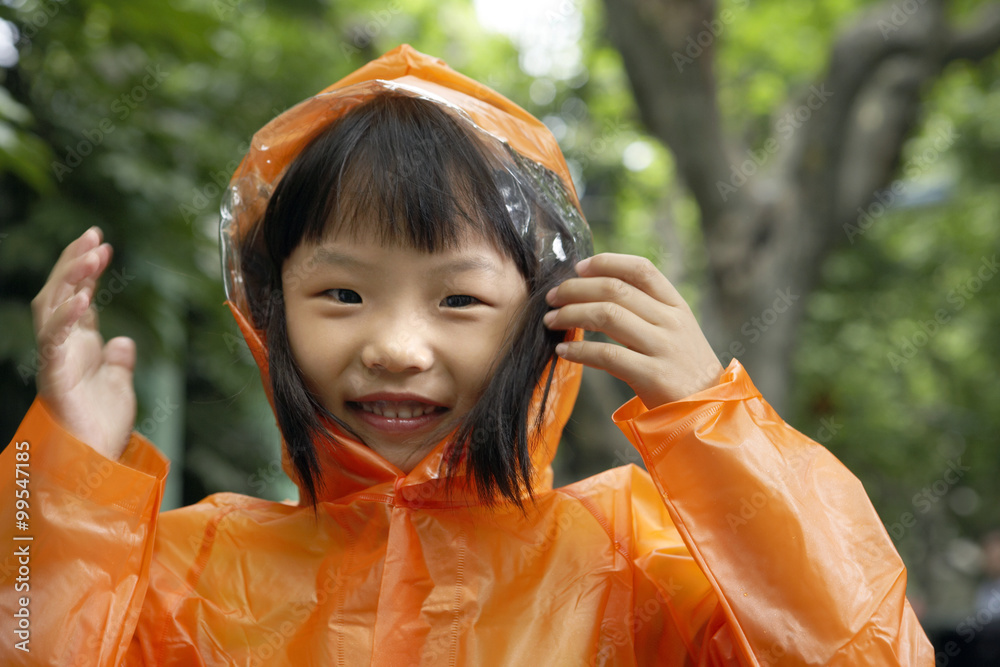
(784, 560)
(76, 553)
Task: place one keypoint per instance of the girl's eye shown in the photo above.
(344, 295)
(459, 301)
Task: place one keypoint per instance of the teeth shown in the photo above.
(397, 410)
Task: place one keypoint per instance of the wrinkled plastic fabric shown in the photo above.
(746, 543)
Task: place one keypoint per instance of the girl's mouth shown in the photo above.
(399, 409)
(397, 416)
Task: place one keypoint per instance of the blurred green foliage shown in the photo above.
(133, 115)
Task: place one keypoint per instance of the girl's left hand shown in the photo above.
(665, 355)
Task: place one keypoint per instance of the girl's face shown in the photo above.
(395, 341)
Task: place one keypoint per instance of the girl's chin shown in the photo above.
(403, 450)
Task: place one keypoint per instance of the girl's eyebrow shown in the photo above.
(481, 263)
(470, 263)
(326, 255)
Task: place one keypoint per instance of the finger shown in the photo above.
(89, 284)
(83, 271)
(636, 271)
(69, 258)
(624, 364)
(609, 290)
(608, 318)
(56, 329)
(88, 320)
(51, 337)
(87, 241)
(88, 278)
(120, 351)
(69, 278)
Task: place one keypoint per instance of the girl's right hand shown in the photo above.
(85, 383)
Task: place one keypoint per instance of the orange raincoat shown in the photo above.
(745, 544)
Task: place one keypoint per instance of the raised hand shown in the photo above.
(85, 383)
(663, 356)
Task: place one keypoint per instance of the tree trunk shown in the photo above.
(772, 213)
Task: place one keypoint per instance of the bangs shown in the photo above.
(355, 179)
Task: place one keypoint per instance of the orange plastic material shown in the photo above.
(745, 544)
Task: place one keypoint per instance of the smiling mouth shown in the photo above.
(398, 418)
(397, 409)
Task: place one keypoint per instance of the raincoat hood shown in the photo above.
(531, 156)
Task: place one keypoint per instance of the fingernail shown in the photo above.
(551, 295)
(561, 349)
(549, 316)
(582, 264)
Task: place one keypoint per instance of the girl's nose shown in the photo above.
(396, 352)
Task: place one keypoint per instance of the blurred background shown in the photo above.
(820, 179)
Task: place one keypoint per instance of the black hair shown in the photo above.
(422, 178)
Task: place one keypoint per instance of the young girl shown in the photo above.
(405, 256)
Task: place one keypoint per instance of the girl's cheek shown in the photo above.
(480, 359)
